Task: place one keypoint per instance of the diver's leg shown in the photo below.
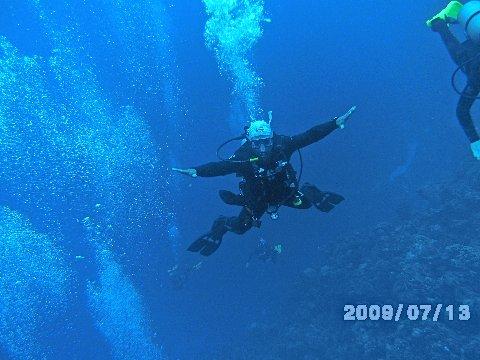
(453, 45)
(231, 198)
(242, 223)
(464, 105)
(207, 244)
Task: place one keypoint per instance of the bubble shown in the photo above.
(233, 28)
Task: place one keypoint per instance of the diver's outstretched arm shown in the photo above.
(218, 168)
(319, 132)
(235, 164)
(311, 136)
(211, 169)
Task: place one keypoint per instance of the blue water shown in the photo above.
(99, 99)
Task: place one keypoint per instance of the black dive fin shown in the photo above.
(211, 247)
(334, 198)
(205, 245)
(329, 201)
(197, 245)
(324, 206)
(323, 201)
(231, 198)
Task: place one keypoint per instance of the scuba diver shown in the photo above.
(268, 179)
(467, 57)
(265, 251)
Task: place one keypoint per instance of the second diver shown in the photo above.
(466, 56)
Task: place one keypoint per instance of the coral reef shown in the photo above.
(431, 258)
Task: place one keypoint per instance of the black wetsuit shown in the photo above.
(467, 53)
(267, 183)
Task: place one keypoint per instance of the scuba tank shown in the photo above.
(469, 19)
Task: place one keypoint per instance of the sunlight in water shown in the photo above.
(116, 305)
(34, 285)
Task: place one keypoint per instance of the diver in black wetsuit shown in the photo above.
(467, 56)
(269, 180)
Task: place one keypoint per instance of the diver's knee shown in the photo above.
(463, 112)
(220, 224)
(243, 227)
(239, 226)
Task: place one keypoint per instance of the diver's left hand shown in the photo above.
(341, 120)
(189, 172)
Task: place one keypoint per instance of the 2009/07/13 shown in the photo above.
(413, 312)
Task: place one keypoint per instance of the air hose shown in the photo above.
(454, 77)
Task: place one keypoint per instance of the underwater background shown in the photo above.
(100, 99)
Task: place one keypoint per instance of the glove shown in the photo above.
(342, 119)
(189, 172)
(475, 146)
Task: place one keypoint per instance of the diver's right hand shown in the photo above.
(341, 120)
(189, 172)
